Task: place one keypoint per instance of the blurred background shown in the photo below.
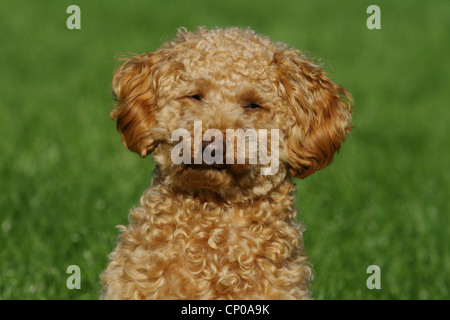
(66, 180)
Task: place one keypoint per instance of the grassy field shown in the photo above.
(66, 181)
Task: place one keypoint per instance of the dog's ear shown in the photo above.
(322, 112)
(135, 88)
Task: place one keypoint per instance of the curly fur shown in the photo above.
(226, 232)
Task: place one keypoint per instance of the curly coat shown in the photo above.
(221, 232)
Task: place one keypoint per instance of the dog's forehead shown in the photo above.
(227, 55)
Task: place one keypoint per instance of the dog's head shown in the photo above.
(201, 97)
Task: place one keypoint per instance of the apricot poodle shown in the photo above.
(221, 229)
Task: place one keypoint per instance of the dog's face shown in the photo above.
(230, 112)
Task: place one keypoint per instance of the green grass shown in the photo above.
(66, 180)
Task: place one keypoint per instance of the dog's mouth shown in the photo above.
(234, 170)
(204, 166)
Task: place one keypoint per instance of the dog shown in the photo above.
(222, 229)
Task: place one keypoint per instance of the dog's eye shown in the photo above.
(196, 97)
(252, 106)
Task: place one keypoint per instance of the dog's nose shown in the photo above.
(205, 144)
(217, 149)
